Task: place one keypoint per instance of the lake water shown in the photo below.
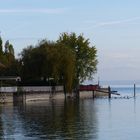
(86, 119)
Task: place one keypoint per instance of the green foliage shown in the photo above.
(0, 45)
(49, 60)
(68, 61)
(86, 58)
(65, 66)
(7, 59)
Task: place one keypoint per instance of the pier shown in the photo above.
(96, 91)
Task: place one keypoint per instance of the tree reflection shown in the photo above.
(1, 126)
(69, 119)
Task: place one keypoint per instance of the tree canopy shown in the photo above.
(7, 58)
(85, 55)
(69, 60)
(49, 60)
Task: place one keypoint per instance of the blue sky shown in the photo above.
(112, 25)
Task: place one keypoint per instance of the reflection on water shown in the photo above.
(99, 119)
(49, 120)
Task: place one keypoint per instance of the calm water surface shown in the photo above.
(99, 119)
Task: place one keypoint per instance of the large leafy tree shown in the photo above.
(49, 60)
(7, 59)
(85, 55)
(70, 60)
(36, 61)
(1, 46)
(9, 53)
(1, 54)
(66, 66)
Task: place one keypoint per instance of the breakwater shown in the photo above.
(30, 93)
(36, 93)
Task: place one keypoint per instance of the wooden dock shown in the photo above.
(97, 91)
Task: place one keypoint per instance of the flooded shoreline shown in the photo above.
(85, 119)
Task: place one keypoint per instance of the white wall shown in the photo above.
(31, 89)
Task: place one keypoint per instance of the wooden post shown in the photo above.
(0, 90)
(24, 97)
(134, 90)
(64, 90)
(77, 93)
(109, 92)
(0, 86)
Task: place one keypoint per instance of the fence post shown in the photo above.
(134, 90)
(109, 92)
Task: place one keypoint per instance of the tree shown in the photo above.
(1, 51)
(1, 46)
(9, 53)
(49, 60)
(85, 56)
(7, 59)
(25, 61)
(64, 66)
(37, 61)
(69, 61)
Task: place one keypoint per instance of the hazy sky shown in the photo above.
(112, 25)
